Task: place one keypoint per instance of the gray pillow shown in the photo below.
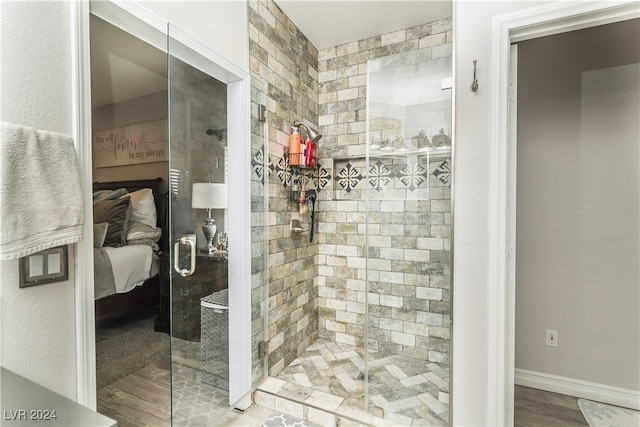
(108, 194)
(116, 213)
(99, 234)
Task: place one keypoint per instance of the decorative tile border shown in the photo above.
(284, 171)
(443, 173)
(321, 178)
(413, 175)
(348, 177)
(387, 175)
(257, 163)
(379, 176)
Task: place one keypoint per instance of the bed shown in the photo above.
(130, 233)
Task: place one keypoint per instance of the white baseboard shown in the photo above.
(578, 388)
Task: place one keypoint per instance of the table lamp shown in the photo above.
(209, 196)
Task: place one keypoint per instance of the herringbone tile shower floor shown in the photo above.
(402, 389)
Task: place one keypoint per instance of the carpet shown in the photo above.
(127, 352)
(284, 420)
(600, 415)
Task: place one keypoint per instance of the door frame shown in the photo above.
(545, 20)
(156, 31)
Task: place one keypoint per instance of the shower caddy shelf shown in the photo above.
(299, 171)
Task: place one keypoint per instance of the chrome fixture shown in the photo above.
(440, 139)
(387, 145)
(313, 134)
(373, 145)
(399, 144)
(422, 142)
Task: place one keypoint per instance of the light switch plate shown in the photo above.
(48, 266)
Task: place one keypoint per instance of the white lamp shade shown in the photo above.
(209, 195)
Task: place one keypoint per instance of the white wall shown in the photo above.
(472, 40)
(578, 205)
(37, 325)
(221, 25)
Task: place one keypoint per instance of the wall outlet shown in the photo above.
(552, 338)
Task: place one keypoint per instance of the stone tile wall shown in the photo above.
(320, 289)
(409, 215)
(285, 66)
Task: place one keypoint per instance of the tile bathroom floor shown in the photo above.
(329, 376)
(194, 401)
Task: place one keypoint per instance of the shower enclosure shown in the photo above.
(384, 259)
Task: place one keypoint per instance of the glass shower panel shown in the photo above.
(259, 228)
(408, 237)
(198, 173)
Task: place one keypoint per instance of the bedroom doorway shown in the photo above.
(544, 20)
(203, 106)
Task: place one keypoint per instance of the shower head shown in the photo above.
(313, 134)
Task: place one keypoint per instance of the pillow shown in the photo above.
(99, 234)
(108, 194)
(115, 213)
(140, 231)
(143, 207)
(153, 245)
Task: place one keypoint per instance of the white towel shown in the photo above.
(41, 202)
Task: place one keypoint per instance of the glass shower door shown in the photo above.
(218, 233)
(408, 237)
(200, 240)
(259, 230)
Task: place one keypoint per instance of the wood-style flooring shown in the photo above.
(538, 408)
(139, 399)
(142, 398)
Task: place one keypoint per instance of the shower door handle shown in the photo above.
(184, 240)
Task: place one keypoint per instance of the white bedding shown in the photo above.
(132, 265)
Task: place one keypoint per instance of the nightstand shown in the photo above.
(211, 275)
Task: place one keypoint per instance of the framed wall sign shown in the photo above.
(130, 145)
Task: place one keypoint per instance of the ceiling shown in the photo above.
(123, 66)
(328, 23)
(126, 67)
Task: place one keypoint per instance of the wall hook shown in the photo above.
(474, 84)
